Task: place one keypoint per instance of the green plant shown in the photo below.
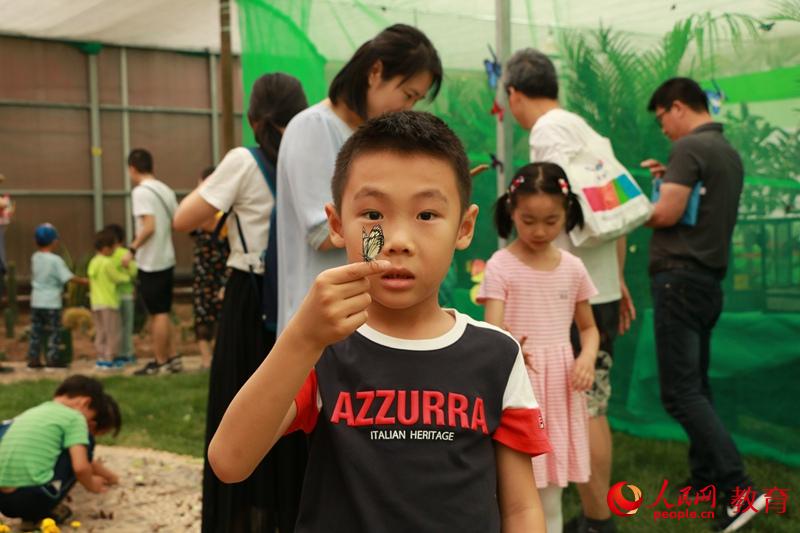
(786, 10)
(609, 79)
(77, 295)
(766, 150)
(11, 312)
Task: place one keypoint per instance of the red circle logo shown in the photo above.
(619, 504)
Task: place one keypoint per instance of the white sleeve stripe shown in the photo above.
(519, 392)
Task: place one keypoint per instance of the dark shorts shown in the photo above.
(606, 316)
(155, 288)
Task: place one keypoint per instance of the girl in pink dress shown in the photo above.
(535, 291)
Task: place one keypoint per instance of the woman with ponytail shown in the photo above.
(536, 291)
(268, 500)
(391, 72)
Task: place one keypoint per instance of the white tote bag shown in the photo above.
(612, 202)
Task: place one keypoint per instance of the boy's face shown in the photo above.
(84, 405)
(415, 200)
(106, 250)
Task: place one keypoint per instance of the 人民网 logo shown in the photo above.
(619, 504)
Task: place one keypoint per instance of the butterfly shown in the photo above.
(493, 69)
(371, 243)
(496, 163)
(715, 98)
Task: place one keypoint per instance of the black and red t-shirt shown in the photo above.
(402, 431)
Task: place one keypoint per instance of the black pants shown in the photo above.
(686, 306)
(35, 503)
(270, 498)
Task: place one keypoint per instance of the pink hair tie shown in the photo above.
(564, 186)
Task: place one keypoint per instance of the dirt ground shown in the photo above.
(158, 491)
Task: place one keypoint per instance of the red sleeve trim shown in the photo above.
(306, 403)
(523, 430)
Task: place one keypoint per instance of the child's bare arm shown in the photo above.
(146, 230)
(520, 508)
(583, 371)
(334, 307)
(104, 472)
(494, 312)
(79, 280)
(84, 472)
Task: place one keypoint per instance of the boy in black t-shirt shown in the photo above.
(420, 418)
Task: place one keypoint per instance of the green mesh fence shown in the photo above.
(607, 77)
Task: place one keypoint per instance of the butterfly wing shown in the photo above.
(372, 242)
(493, 70)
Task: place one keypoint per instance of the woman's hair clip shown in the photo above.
(564, 186)
(515, 183)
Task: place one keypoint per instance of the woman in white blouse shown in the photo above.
(269, 499)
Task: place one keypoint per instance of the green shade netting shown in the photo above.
(607, 77)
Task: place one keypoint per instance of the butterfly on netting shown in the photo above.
(493, 69)
(715, 97)
(371, 243)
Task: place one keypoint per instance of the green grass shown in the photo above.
(646, 463)
(168, 413)
(161, 412)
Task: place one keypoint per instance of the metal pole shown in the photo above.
(126, 140)
(227, 74)
(97, 151)
(212, 84)
(505, 133)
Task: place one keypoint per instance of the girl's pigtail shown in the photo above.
(502, 215)
(574, 211)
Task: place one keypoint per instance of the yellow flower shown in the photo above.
(4, 529)
(74, 524)
(48, 522)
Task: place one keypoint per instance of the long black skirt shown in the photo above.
(269, 499)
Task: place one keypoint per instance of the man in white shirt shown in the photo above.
(556, 136)
(154, 203)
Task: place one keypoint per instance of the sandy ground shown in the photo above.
(158, 492)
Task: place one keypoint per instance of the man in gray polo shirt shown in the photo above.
(689, 255)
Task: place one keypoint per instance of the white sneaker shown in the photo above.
(174, 365)
(730, 519)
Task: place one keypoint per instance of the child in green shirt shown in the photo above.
(48, 447)
(104, 277)
(124, 261)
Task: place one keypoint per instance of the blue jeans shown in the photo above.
(686, 306)
(35, 503)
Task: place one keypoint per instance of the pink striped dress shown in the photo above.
(541, 305)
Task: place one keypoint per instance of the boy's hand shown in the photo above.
(583, 372)
(99, 485)
(126, 259)
(336, 305)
